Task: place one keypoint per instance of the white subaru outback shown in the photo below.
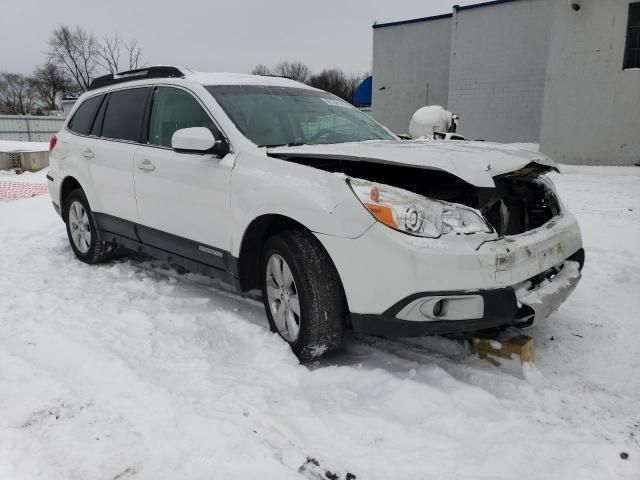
(274, 185)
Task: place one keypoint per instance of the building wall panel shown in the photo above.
(410, 70)
(497, 69)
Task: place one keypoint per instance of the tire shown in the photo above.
(321, 304)
(88, 249)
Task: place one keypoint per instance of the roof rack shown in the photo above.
(273, 75)
(139, 74)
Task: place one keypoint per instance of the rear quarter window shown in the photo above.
(97, 122)
(124, 113)
(81, 121)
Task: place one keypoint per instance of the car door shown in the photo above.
(118, 124)
(183, 199)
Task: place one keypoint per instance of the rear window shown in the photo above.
(123, 116)
(81, 120)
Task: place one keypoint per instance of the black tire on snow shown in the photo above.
(99, 251)
(323, 308)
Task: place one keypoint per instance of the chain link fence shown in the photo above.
(10, 160)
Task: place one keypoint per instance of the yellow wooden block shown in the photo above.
(487, 347)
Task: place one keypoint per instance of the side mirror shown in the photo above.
(194, 139)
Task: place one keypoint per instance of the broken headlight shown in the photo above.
(414, 214)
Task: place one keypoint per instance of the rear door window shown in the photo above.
(82, 120)
(172, 110)
(124, 113)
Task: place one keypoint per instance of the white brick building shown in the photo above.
(560, 72)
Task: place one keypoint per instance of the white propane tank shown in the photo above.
(429, 120)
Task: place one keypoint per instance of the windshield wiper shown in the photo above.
(292, 144)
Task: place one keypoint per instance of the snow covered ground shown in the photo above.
(25, 177)
(16, 146)
(130, 370)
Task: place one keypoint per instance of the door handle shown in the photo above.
(88, 154)
(146, 165)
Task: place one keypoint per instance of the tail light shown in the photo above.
(52, 143)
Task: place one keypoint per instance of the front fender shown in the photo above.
(319, 200)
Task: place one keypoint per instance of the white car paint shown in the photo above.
(321, 201)
(185, 194)
(111, 170)
(454, 263)
(213, 201)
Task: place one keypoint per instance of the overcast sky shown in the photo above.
(210, 35)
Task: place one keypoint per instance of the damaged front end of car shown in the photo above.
(489, 247)
(430, 202)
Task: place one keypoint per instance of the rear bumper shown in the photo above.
(522, 304)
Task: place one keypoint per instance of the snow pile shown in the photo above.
(15, 146)
(28, 177)
(131, 371)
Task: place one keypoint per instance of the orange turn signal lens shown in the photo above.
(382, 213)
(375, 193)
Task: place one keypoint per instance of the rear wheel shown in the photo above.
(82, 232)
(302, 294)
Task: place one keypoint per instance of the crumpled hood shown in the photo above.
(474, 162)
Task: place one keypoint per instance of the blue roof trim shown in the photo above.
(457, 8)
(413, 20)
(460, 8)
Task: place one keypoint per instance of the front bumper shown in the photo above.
(384, 270)
(532, 300)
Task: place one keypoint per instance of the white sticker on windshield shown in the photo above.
(335, 103)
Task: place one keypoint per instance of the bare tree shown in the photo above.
(50, 82)
(351, 86)
(82, 56)
(109, 53)
(135, 55)
(17, 95)
(335, 81)
(75, 51)
(261, 69)
(294, 70)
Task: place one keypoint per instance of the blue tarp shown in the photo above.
(362, 97)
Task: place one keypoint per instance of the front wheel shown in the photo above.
(302, 294)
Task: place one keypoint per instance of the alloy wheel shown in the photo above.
(80, 227)
(284, 301)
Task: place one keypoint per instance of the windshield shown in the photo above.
(274, 116)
